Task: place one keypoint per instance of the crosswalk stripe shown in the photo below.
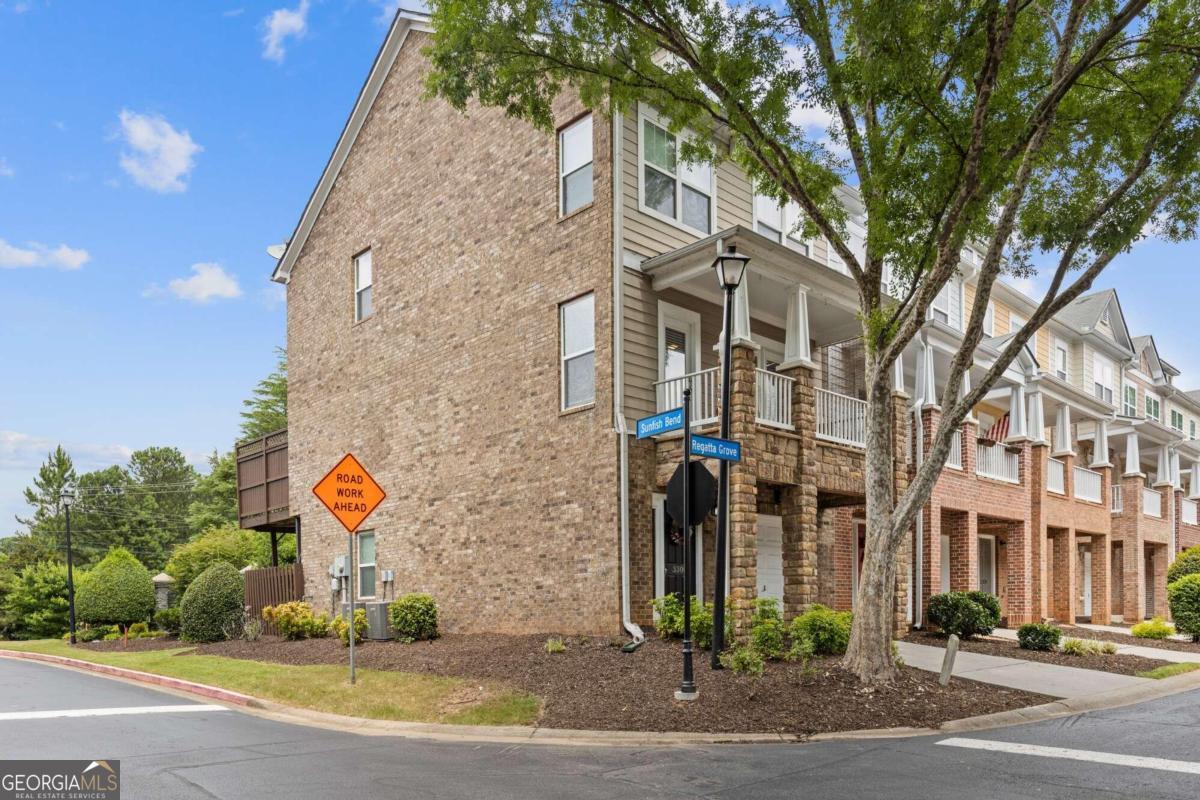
(1094, 756)
(106, 712)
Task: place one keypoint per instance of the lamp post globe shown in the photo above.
(730, 267)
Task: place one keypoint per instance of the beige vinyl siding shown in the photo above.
(1086, 372)
(735, 198)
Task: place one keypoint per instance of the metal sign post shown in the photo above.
(687, 688)
(353, 537)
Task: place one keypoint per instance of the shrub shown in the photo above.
(111, 636)
(342, 628)
(555, 645)
(744, 660)
(669, 611)
(802, 650)
(212, 604)
(296, 620)
(962, 614)
(1184, 597)
(1082, 647)
(117, 591)
(1186, 563)
(241, 548)
(828, 630)
(1108, 648)
(138, 629)
(702, 624)
(91, 633)
(1039, 636)
(991, 605)
(167, 619)
(1157, 628)
(414, 617)
(36, 604)
(767, 638)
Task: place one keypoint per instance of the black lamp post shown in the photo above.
(731, 269)
(687, 687)
(67, 498)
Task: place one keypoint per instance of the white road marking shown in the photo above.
(106, 712)
(1095, 756)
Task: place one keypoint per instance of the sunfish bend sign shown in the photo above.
(349, 492)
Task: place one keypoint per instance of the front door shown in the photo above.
(987, 564)
(1149, 584)
(770, 556)
(1087, 582)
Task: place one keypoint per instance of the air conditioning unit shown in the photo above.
(379, 622)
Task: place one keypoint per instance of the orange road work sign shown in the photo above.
(349, 492)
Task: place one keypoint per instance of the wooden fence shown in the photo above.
(273, 585)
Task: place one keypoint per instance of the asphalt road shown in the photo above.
(1151, 750)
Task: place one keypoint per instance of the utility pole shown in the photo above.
(67, 498)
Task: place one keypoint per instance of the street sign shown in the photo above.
(703, 490)
(350, 493)
(665, 422)
(711, 447)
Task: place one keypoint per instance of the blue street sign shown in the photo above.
(710, 447)
(665, 422)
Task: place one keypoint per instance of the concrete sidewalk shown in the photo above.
(1174, 656)
(1017, 673)
(1179, 637)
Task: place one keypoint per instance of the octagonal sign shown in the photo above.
(349, 492)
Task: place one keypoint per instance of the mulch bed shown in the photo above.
(1005, 648)
(593, 685)
(1124, 638)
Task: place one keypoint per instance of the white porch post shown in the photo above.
(898, 374)
(1062, 432)
(1133, 456)
(929, 396)
(1194, 482)
(797, 349)
(1176, 478)
(1162, 467)
(1037, 418)
(1018, 431)
(741, 313)
(1100, 456)
(963, 389)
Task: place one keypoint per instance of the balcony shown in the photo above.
(954, 459)
(1118, 501)
(262, 482)
(706, 397)
(996, 462)
(1056, 476)
(1188, 513)
(1088, 485)
(1152, 502)
(773, 399)
(841, 419)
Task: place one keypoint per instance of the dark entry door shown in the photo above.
(673, 572)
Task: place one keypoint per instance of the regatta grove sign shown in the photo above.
(349, 492)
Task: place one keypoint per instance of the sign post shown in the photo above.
(350, 494)
(687, 688)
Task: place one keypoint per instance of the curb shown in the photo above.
(516, 734)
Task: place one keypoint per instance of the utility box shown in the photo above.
(379, 622)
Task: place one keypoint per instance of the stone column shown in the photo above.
(800, 551)
(743, 491)
(904, 559)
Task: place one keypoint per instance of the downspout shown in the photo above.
(619, 423)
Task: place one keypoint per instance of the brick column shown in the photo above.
(964, 552)
(1063, 591)
(1102, 556)
(799, 510)
(1039, 600)
(1161, 561)
(932, 553)
(1133, 549)
(1018, 562)
(743, 492)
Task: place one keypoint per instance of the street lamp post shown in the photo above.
(687, 688)
(730, 267)
(67, 497)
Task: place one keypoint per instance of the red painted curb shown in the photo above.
(203, 690)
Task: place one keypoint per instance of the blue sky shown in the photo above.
(148, 155)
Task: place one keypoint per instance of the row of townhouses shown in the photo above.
(480, 312)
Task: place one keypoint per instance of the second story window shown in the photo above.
(1191, 429)
(683, 193)
(1153, 408)
(1177, 420)
(1129, 408)
(362, 286)
(768, 218)
(577, 329)
(1103, 378)
(575, 165)
(989, 320)
(1062, 360)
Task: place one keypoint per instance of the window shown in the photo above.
(577, 324)
(366, 564)
(1062, 360)
(1191, 429)
(362, 286)
(678, 337)
(1130, 408)
(680, 192)
(768, 218)
(989, 320)
(1153, 408)
(1016, 322)
(1103, 378)
(575, 165)
(1177, 420)
(942, 306)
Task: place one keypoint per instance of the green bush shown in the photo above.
(414, 617)
(138, 629)
(296, 620)
(964, 614)
(555, 644)
(766, 629)
(702, 624)
(802, 650)
(167, 620)
(828, 630)
(35, 606)
(1184, 597)
(241, 548)
(1186, 563)
(1039, 636)
(1085, 647)
(744, 660)
(212, 604)
(669, 611)
(1157, 628)
(117, 591)
(89, 633)
(341, 627)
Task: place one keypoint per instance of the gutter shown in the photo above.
(619, 423)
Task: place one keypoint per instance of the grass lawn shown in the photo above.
(376, 694)
(1169, 670)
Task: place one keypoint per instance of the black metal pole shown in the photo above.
(70, 578)
(718, 638)
(687, 689)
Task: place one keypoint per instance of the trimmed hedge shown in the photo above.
(965, 614)
(1184, 597)
(167, 619)
(212, 605)
(1186, 563)
(1041, 636)
(828, 630)
(414, 617)
(1157, 628)
(117, 591)
(296, 620)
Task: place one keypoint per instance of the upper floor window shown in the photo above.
(946, 306)
(575, 165)
(1153, 408)
(1130, 407)
(1062, 360)
(1103, 378)
(1177, 420)
(768, 217)
(577, 328)
(1191, 429)
(989, 320)
(1015, 322)
(362, 286)
(682, 193)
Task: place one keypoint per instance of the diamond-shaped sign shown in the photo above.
(349, 492)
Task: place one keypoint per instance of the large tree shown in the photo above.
(266, 408)
(214, 503)
(56, 473)
(1041, 131)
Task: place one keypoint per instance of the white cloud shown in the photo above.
(283, 24)
(23, 451)
(208, 282)
(6, 170)
(159, 158)
(35, 254)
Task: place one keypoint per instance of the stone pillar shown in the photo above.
(1133, 547)
(904, 558)
(1039, 451)
(800, 546)
(743, 492)
(164, 586)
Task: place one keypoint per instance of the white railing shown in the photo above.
(705, 394)
(1088, 485)
(955, 457)
(1152, 502)
(773, 398)
(841, 419)
(1118, 501)
(1056, 476)
(995, 461)
(1189, 513)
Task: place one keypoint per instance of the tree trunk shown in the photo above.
(870, 652)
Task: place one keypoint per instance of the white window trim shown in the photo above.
(647, 113)
(1171, 415)
(689, 322)
(1125, 404)
(359, 566)
(562, 175)
(1097, 361)
(1157, 406)
(1057, 344)
(564, 357)
(358, 290)
(789, 214)
(768, 350)
(989, 319)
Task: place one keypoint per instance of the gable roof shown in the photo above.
(1159, 368)
(402, 24)
(1084, 315)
